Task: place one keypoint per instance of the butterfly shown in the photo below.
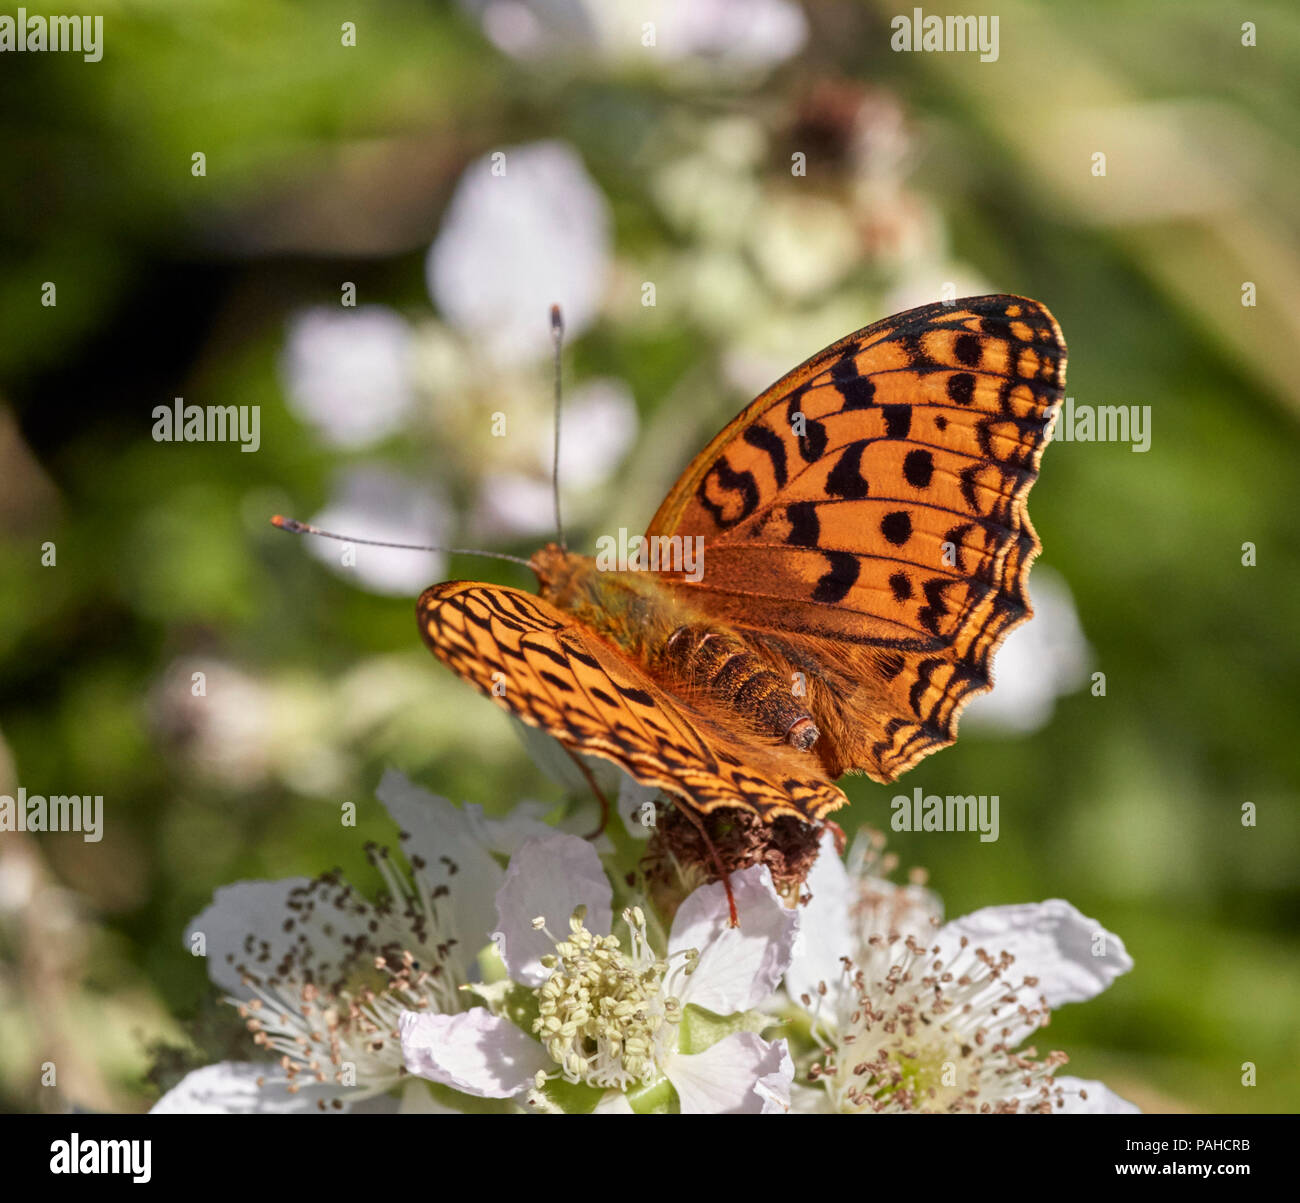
(864, 545)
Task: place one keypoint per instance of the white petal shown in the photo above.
(245, 925)
(825, 934)
(1072, 957)
(348, 372)
(775, 1080)
(453, 854)
(476, 1052)
(231, 1088)
(743, 33)
(739, 967)
(526, 227)
(1101, 1099)
(527, 820)
(512, 505)
(550, 878)
(740, 1075)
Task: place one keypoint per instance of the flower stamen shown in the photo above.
(604, 1015)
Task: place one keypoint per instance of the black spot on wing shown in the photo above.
(968, 349)
(805, 527)
(961, 388)
(550, 653)
(901, 586)
(898, 421)
(841, 577)
(580, 655)
(555, 682)
(918, 468)
(858, 391)
(812, 443)
(769, 441)
(955, 536)
(890, 664)
(930, 615)
(846, 479)
(896, 527)
(922, 683)
(918, 358)
(741, 485)
(813, 439)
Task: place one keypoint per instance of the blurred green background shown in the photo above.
(328, 163)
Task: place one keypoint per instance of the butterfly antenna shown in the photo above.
(557, 341)
(294, 527)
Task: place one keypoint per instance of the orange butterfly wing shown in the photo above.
(864, 519)
(548, 669)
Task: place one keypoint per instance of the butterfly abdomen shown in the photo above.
(718, 662)
(642, 617)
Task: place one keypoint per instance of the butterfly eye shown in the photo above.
(802, 735)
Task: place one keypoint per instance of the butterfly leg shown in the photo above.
(723, 875)
(595, 789)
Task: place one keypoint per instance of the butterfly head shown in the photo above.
(566, 579)
(554, 566)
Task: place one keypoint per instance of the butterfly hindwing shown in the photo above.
(864, 519)
(551, 671)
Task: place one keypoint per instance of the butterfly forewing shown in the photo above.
(548, 669)
(864, 519)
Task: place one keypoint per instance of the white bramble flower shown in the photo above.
(526, 227)
(730, 36)
(349, 372)
(913, 1016)
(321, 975)
(620, 1019)
(225, 733)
